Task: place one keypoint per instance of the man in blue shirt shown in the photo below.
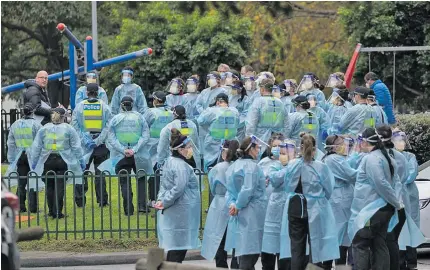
(383, 95)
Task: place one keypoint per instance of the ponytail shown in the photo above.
(308, 144)
(378, 145)
(244, 148)
(232, 147)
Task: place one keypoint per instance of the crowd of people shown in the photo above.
(294, 177)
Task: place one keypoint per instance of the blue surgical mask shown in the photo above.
(276, 151)
(126, 80)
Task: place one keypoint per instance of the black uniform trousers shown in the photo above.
(221, 256)
(393, 241)
(99, 155)
(128, 164)
(408, 258)
(55, 187)
(23, 168)
(372, 240)
(269, 261)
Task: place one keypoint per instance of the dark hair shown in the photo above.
(243, 146)
(331, 141)
(242, 90)
(275, 136)
(248, 68)
(232, 146)
(176, 138)
(267, 84)
(344, 93)
(378, 145)
(386, 133)
(305, 105)
(308, 144)
(179, 112)
(371, 76)
(28, 109)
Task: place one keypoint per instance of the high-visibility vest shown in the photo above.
(93, 116)
(162, 118)
(23, 137)
(369, 120)
(310, 124)
(54, 141)
(225, 126)
(129, 131)
(185, 129)
(271, 115)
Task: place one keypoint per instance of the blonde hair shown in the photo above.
(56, 118)
(308, 144)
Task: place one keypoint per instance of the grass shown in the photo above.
(90, 227)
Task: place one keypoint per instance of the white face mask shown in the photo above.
(212, 82)
(368, 85)
(174, 90)
(248, 86)
(192, 88)
(91, 80)
(126, 79)
(229, 81)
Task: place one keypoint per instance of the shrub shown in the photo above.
(417, 127)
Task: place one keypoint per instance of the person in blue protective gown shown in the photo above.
(307, 211)
(218, 215)
(247, 205)
(408, 257)
(178, 201)
(266, 115)
(374, 204)
(222, 123)
(90, 119)
(310, 84)
(250, 85)
(285, 97)
(57, 148)
(238, 99)
(257, 81)
(128, 136)
(291, 93)
(21, 136)
(127, 88)
(187, 128)
(381, 118)
(406, 232)
(337, 108)
(176, 90)
(275, 192)
(192, 88)
(359, 117)
(338, 148)
(323, 120)
(81, 93)
(302, 120)
(157, 118)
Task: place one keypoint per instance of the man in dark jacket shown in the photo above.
(36, 94)
(383, 95)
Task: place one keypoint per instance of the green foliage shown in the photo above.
(377, 24)
(417, 127)
(183, 44)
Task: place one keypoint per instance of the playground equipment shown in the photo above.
(74, 69)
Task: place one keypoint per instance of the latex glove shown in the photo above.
(90, 144)
(83, 165)
(33, 166)
(324, 135)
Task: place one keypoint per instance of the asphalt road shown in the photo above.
(423, 263)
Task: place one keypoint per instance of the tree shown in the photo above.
(377, 24)
(183, 44)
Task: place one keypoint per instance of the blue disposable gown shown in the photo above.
(381, 117)
(317, 183)
(355, 159)
(187, 128)
(335, 113)
(67, 139)
(296, 125)
(134, 124)
(190, 107)
(275, 207)
(175, 100)
(256, 94)
(266, 115)
(241, 106)
(353, 122)
(319, 155)
(246, 189)
(324, 124)
(81, 95)
(343, 193)
(135, 92)
(84, 136)
(157, 119)
(218, 215)
(179, 222)
(288, 103)
(374, 188)
(214, 119)
(15, 148)
(321, 102)
(411, 186)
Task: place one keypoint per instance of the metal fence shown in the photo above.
(7, 119)
(92, 220)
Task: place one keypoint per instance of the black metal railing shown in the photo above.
(92, 220)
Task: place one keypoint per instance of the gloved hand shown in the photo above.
(90, 144)
(83, 165)
(159, 166)
(324, 135)
(33, 166)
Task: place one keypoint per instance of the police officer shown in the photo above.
(157, 118)
(90, 119)
(81, 94)
(21, 136)
(57, 148)
(127, 142)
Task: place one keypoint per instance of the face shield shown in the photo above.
(312, 99)
(276, 91)
(333, 81)
(228, 78)
(400, 141)
(175, 87)
(192, 84)
(211, 80)
(249, 84)
(127, 75)
(343, 146)
(91, 77)
(307, 83)
(235, 90)
(290, 86)
(260, 77)
(336, 99)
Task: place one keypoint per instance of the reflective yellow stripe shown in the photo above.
(93, 116)
(51, 141)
